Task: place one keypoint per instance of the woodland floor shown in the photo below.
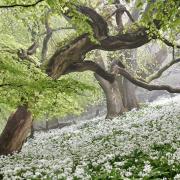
(142, 144)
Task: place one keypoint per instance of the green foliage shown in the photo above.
(22, 83)
(165, 14)
(78, 20)
(4, 113)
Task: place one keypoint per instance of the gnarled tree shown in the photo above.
(72, 57)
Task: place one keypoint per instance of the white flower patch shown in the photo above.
(97, 148)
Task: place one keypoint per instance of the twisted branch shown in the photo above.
(144, 85)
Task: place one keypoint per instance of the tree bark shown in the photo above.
(113, 95)
(32, 132)
(129, 95)
(76, 51)
(16, 131)
(120, 94)
(145, 85)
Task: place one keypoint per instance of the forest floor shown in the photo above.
(143, 144)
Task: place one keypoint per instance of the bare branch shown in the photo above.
(92, 66)
(32, 49)
(157, 74)
(21, 5)
(129, 15)
(112, 14)
(144, 85)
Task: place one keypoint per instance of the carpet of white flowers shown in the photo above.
(143, 144)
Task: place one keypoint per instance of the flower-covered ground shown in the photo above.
(142, 144)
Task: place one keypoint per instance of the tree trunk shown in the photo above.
(112, 92)
(120, 95)
(129, 96)
(47, 125)
(32, 131)
(113, 95)
(16, 131)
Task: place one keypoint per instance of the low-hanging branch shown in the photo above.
(21, 5)
(145, 85)
(110, 77)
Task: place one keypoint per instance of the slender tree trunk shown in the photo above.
(32, 131)
(47, 125)
(16, 131)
